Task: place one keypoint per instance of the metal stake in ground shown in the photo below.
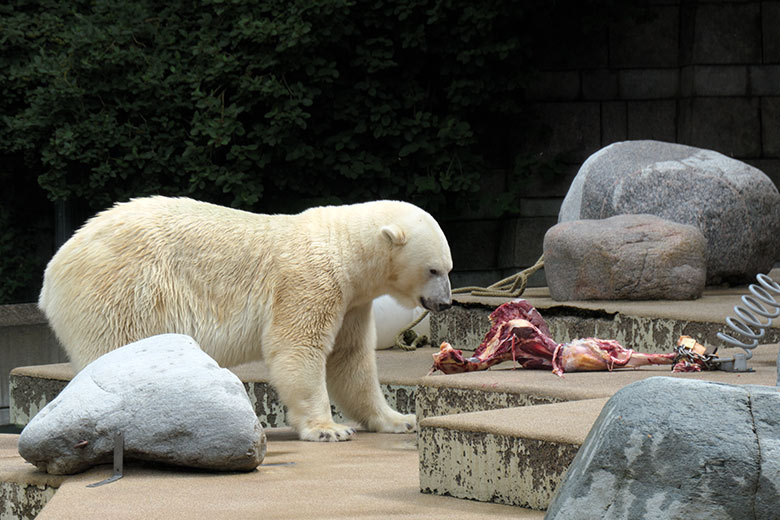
(119, 450)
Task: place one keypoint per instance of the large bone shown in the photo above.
(519, 333)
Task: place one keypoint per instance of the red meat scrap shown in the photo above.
(519, 333)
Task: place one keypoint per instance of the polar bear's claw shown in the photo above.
(395, 423)
(331, 433)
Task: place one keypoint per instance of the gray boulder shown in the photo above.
(172, 401)
(671, 448)
(626, 257)
(736, 206)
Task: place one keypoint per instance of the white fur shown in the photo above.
(295, 290)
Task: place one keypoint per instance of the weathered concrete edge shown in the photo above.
(432, 401)
(487, 421)
(273, 414)
(21, 314)
(491, 467)
(465, 324)
(30, 394)
(23, 501)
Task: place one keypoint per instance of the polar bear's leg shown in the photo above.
(352, 376)
(298, 375)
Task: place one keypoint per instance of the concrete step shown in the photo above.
(500, 456)
(472, 446)
(32, 387)
(511, 456)
(23, 491)
(514, 456)
(373, 476)
(25, 339)
(648, 326)
(503, 387)
(645, 326)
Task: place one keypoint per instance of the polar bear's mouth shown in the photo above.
(434, 306)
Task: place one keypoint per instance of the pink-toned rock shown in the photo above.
(626, 257)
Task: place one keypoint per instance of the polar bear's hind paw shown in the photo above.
(395, 423)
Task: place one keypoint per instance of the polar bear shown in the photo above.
(294, 290)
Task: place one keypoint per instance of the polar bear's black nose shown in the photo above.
(435, 306)
(443, 306)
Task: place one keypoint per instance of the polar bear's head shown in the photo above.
(420, 261)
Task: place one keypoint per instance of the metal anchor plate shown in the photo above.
(119, 449)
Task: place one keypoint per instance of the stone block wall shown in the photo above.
(702, 73)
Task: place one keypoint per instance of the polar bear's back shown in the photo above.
(228, 277)
(159, 265)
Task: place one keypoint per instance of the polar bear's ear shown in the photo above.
(395, 234)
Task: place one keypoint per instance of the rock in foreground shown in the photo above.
(172, 401)
(667, 448)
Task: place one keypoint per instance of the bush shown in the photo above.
(270, 106)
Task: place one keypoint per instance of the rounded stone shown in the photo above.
(736, 206)
(666, 448)
(626, 257)
(186, 412)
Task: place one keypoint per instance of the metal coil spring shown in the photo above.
(760, 302)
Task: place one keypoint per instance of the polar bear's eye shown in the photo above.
(434, 272)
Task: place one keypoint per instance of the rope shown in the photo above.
(510, 287)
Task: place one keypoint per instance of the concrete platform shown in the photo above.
(374, 476)
(32, 387)
(503, 387)
(515, 456)
(647, 326)
(518, 456)
(502, 435)
(25, 339)
(474, 440)
(23, 490)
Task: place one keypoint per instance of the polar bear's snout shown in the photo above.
(437, 295)
(435, 306)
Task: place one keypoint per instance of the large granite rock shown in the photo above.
(672, 448)
(626, 257)
(736, 206)
(172, 401)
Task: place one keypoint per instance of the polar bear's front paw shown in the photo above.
(394, 422)
(327, 432)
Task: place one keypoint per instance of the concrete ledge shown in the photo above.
(434, 400)
(646, 326)
(29, 393)
(273, 414)
(374, 475)
(23, 501)
(21, 314)
(32, 387)
(502, 387)
(404, 382)
(23, 491)
(516, 456)
(25, 339)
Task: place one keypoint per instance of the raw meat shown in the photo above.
(518, 333)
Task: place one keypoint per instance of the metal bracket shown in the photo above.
(738, 364)
(119, 450)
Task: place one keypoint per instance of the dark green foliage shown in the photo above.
(23, 249)
(272, 106)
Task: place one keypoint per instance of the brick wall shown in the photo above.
(705, 74)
